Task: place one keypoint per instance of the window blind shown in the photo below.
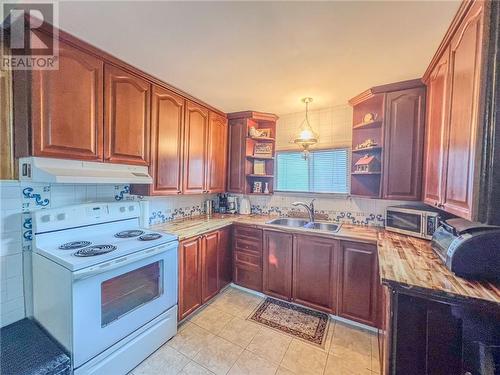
(325, 171)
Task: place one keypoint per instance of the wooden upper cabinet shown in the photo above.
(437, 118)
(67, 113)
(195, 148)
(277, 264)
(190, 274)
(359, 285)
(462, 164)
(404, 136)
(237, 150)
(126, 117)
(167, 125)
(210, 265)
(217, 153)
(315, 262)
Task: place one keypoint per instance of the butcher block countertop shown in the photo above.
(411, 263)
(404, 261)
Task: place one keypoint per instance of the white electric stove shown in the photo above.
(104, 287)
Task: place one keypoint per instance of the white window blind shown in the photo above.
(325, 171)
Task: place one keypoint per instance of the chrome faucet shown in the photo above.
(309, 207)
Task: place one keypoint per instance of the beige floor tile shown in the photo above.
(190, 340)
(239, 331)
(348, 363)
(269, 345)
(250, 364)
(192, 368)
(352, 338)
(218, 355)
(375, 355)
(302, 358)
(164, 361)
(211, 319)
(284, 371)
(237, 303)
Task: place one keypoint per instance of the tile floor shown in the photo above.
(219, 340)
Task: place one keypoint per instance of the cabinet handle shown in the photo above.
(178, 191)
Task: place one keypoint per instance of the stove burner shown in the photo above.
(95, 250)
(150, 236)
(74, 245)
(129, 233)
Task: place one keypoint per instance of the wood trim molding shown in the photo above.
(7, 165)
(254, 115)
(455, 23)
(397, 86)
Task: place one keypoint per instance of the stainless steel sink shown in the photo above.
(305, 224)
(295, 223)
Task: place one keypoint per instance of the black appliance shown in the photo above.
(470, 250)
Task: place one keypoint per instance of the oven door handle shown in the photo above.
(122, 261)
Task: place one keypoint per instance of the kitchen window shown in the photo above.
(325, 171)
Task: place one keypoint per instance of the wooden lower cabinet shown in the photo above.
(200, 260)
(277, 264)
(189, 276)
(247, 253)
(315, 261)
(358, 282)
(210, 266)
(225, 255)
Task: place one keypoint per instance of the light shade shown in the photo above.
(306, 136)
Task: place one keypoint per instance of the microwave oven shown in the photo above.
(414, 220)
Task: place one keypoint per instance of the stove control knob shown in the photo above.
(61, 216)
(122, 209)
(45, 218)
(131, 208)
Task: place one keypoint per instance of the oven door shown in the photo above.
(111, 301)
(404, 221)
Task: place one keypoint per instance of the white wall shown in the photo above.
(18, 200)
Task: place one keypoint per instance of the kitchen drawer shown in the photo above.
(251, 259)
(244, 244)
(252, 234)
(248, 276)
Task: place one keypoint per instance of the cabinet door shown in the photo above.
(166, 141)
(126, 117)
(189, 276)
(237, 148)
(210, 266)
(437, 118)
(67, 114)
(357, 299)
(217, 151)
(462, 135)
(277, 264)
(225, 258)
(315, 262)
(404, 136)
(195, 148)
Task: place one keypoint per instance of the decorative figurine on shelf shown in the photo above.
(366, 144)
(253, 132)
(367, 164)
(257, 187)
(266, 187)
(369, 117)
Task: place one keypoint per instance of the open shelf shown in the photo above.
(262, 139)
(365, 173)
(253, 157)
(367, 149)
(368, 125)
(260, 175)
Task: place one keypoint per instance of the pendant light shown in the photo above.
(306, 136)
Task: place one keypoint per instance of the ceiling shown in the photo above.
(266, 56)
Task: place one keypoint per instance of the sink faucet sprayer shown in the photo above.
(309, 207)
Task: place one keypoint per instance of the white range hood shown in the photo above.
(37, 169)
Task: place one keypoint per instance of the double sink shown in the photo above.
(305, 224)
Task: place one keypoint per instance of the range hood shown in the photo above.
(51, 170)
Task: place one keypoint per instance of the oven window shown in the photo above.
(122, 294)
(405, 221)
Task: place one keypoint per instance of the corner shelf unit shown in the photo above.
(242, 145)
